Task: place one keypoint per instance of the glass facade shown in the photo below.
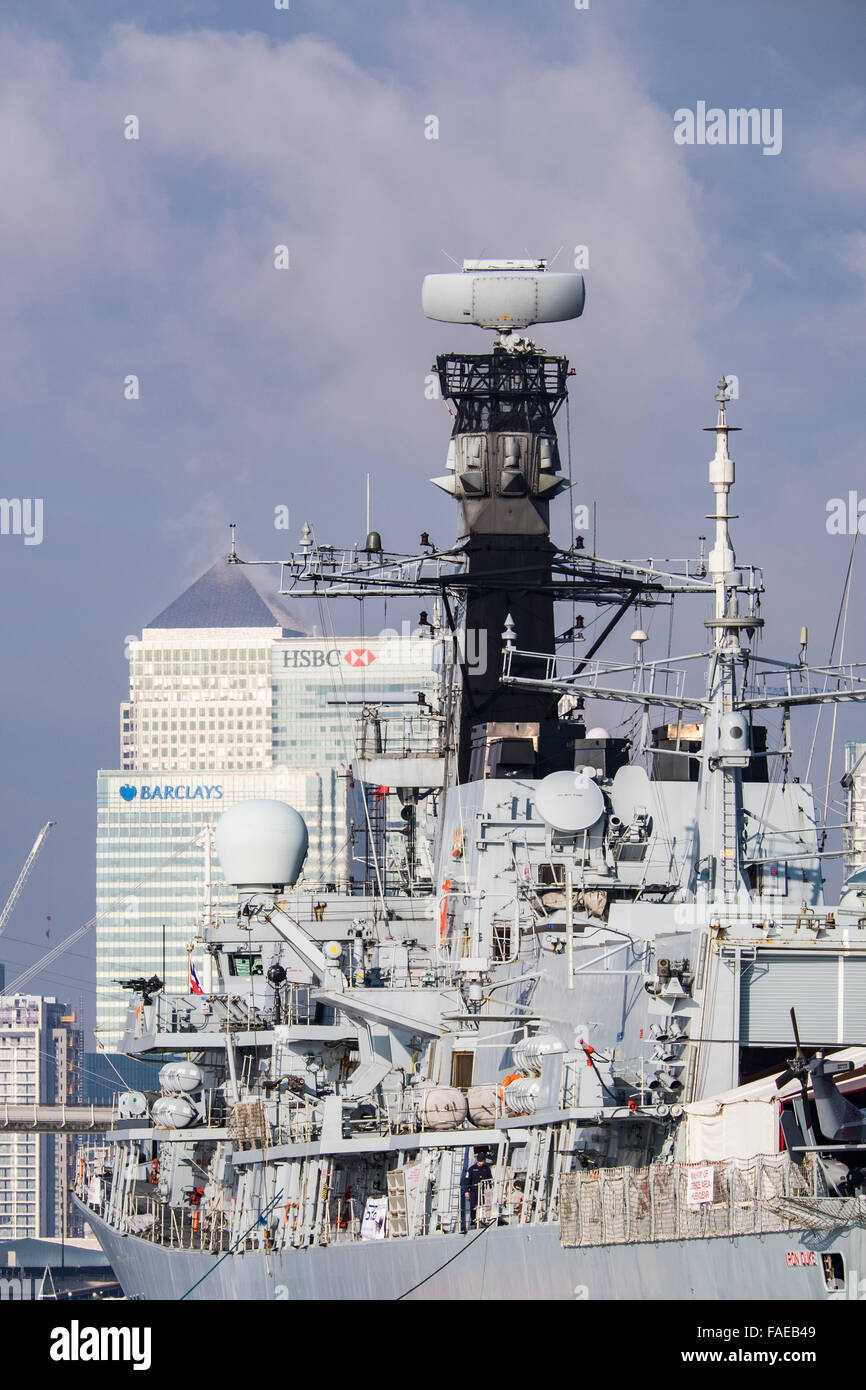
(151, 872)
(321, 694)
(40, 1057)
(198, 699)
(215, 716)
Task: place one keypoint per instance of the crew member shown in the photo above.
(472, 1183)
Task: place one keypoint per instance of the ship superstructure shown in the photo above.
(538, 1057)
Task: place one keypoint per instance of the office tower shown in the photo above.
(229, 699)
(40, 1063)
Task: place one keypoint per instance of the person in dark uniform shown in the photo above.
(472, 1184)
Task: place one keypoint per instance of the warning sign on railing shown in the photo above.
(700, 1185)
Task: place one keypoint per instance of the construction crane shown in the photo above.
(24, 874)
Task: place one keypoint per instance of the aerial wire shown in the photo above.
(842, 607)
(232, 1248)
(848, 587)
(47, 960)
(454, 1257)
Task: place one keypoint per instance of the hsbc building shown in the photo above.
(319, 687)
(308, 658)
(319, 690)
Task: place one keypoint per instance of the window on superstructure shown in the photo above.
(501, 942)
(245, 964)
(552, 874)
(462, 1065)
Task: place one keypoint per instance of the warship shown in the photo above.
(578, 1023)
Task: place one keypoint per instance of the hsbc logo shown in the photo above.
(315, 658)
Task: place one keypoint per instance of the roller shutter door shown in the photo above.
(854, 1013)
(770, 985)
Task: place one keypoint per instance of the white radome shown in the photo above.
(506, 299)
(569, 801)
(261, 844)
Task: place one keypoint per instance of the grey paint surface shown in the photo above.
(504, 1263)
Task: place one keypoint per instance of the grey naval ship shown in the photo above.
(585, 1028)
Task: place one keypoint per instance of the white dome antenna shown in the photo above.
(569, 801)
(261, 845)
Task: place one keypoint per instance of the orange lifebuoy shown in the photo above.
(513, 1076)
(443, 911)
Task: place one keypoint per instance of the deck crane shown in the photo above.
(24, 874)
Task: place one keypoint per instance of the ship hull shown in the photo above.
(501, 1263)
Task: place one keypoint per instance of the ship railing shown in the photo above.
(183, 1227)
(292, 1005)
(327, 569)
(443, 1208)
(549, 668)
(178, 1227)
(448, 1208)
(297, 1123)
(430, 1209)
(92, 1163)
(406, 736)
(229, 1012)
(791, 681)
(679, 1201)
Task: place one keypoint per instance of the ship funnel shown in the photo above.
(261, 845)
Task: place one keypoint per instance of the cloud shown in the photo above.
(851, 253)
(776, 263)
(201, 534)
(161, 250)
(836, 162)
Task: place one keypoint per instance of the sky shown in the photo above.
(260, 388)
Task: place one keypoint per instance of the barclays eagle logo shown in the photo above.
(128, 793)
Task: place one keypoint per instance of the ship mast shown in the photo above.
(503, 465)
(722, 474)
(727, 738)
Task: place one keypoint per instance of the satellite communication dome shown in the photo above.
(598, 732)
(631, 792)
(569, 801)
(261, 844)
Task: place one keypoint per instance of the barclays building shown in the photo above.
(229, 700)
